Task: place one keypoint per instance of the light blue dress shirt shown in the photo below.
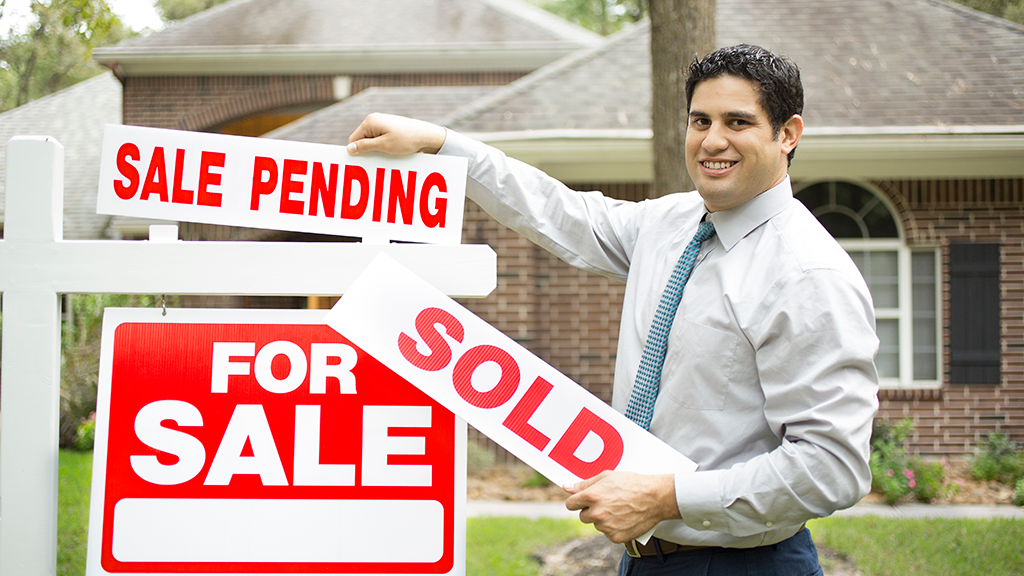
(769, 382)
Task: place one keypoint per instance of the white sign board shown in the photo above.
(516, 399)
(263, 442)
(280, 185)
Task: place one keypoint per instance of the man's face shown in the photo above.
(731, 153)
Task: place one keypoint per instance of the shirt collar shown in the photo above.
(733, 224)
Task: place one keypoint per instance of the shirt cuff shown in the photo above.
(456, 144)
(699, 497)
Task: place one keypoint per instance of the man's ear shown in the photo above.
(791, 132)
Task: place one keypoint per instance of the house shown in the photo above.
(913, 155)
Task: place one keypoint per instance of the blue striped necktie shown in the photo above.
(648, 377)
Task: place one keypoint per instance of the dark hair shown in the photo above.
(778, 77)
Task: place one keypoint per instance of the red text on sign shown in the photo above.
(156, 183)
(440, 356)
(304, 187)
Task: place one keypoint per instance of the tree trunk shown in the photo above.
(681, 30)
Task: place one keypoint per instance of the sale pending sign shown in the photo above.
(280, 185)
(263, 442)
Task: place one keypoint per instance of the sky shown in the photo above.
(136, 14)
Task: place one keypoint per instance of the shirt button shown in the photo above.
(707, 523)
(768, 524)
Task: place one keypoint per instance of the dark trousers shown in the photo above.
(795, 556)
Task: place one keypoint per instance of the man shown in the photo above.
(763, 376)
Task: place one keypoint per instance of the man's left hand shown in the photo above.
(624, 505)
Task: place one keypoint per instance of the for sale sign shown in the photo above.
(505, 391)
(281, 185)
(263, 442)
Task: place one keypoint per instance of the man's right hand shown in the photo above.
(396, 135)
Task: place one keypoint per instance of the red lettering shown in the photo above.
(261, 187)
(378, 198)
(179, 194)
(289, 186)
(517, 419)
(462, 376)
(349, 210)
(323, 189)
(436, 218)
(585, 423)
(207, 178)
(401, 197)
(156, 178)
(126, 151)
(426, 326)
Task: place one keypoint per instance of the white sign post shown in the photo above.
(36, 265)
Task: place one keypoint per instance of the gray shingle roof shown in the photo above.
(75, 117)
(867, 64)
(332, 125)
(364, 23)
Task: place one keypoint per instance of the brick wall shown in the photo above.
(570, 318)
(203, 103)
(952, 420)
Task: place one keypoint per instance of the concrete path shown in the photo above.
(534, 510)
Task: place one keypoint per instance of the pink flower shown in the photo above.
(912, 484)
(889, 473)
(909, 474)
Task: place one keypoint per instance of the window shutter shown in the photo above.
(974, 314)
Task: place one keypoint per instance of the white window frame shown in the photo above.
(904, 312)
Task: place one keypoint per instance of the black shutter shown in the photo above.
(974, 314)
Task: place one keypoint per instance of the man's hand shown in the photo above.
(624, 505)
(396, 135)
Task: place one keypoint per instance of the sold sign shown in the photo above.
(532, 410)
(263, 442)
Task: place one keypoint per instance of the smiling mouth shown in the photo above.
(717, 165)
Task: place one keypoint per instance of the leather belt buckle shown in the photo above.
(631, 549)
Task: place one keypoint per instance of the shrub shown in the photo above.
(999, 459)
(895, 474)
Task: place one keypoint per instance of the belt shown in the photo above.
(659, 547)
(636, 549)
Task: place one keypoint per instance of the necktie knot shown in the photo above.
(648, 377)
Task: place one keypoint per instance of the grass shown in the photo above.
(933, 547)
(73, 511)
(877, 546)
(504, 545)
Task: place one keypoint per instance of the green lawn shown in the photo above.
(932, 547)
(502, 546)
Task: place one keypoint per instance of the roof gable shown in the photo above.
(345, 36)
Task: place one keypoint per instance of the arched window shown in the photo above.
(902, 281)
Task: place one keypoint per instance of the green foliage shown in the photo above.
(478, 458)
(73, 511)
(56, 49)
(933, 546)
(896, 475)
(171, 10)
(1012, 10)
(538, 480)
(506, 545)
(80, 359)
(999, 459)
(601, 16)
